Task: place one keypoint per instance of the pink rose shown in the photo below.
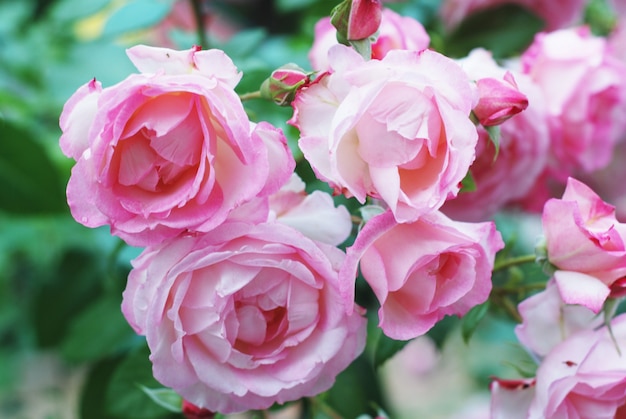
(585, 243)
(556, 14)
(547, 320)
(422, 271)
(585, 93)
(167, 150)
(395, 129)
(524, 141)
(584, 376)
(395, 32)
(314, 214)
(243, 317)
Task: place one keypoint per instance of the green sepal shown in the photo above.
(472, 319)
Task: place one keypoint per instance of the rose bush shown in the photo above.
(168, 150)
(243, 317)
(395, 129)
(418, 282)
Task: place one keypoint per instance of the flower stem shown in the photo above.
(519, 260)
(200, 27)
(250, 95)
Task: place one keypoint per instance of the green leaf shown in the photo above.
(29, 181)
(442, 329)
(470, 321)
(136, 15)
(386, 348)
(98, 331)
(505, 31)
(164, 397)
(73, 286)
(92, 403)
(494, 136)
(125, 397)
(355, 391)
(468, 184)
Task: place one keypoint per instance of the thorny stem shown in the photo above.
(200, 27)
(514, 261)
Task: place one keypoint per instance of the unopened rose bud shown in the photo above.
(191, 411)
(356, 19)
(282, 85)
(499, 99)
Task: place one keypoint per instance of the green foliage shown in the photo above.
(505, 31)
(472, 319)
(125, 397)
(98, 331)
(29, 181)
(386, 348)
(356, 390)
(72, 289)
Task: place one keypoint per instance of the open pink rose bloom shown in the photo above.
(168, 150)
(403, 187)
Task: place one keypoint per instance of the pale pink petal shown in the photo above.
(579, 288)
(77, 117)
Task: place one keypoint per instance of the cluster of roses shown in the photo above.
(582, 366)
(242, 293)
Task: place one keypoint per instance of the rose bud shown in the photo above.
(281, 86)
(356, 19)
(498, 100)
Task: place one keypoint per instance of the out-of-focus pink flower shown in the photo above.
(423, 270)
(523, 146)
(584, 376)
(395, 129)
(547, 320)
(395, 32)
(168, 150)
(585, 93)
(609, 181)
(243, 317)
(314, 214)
(556, 13)
(585, 243)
